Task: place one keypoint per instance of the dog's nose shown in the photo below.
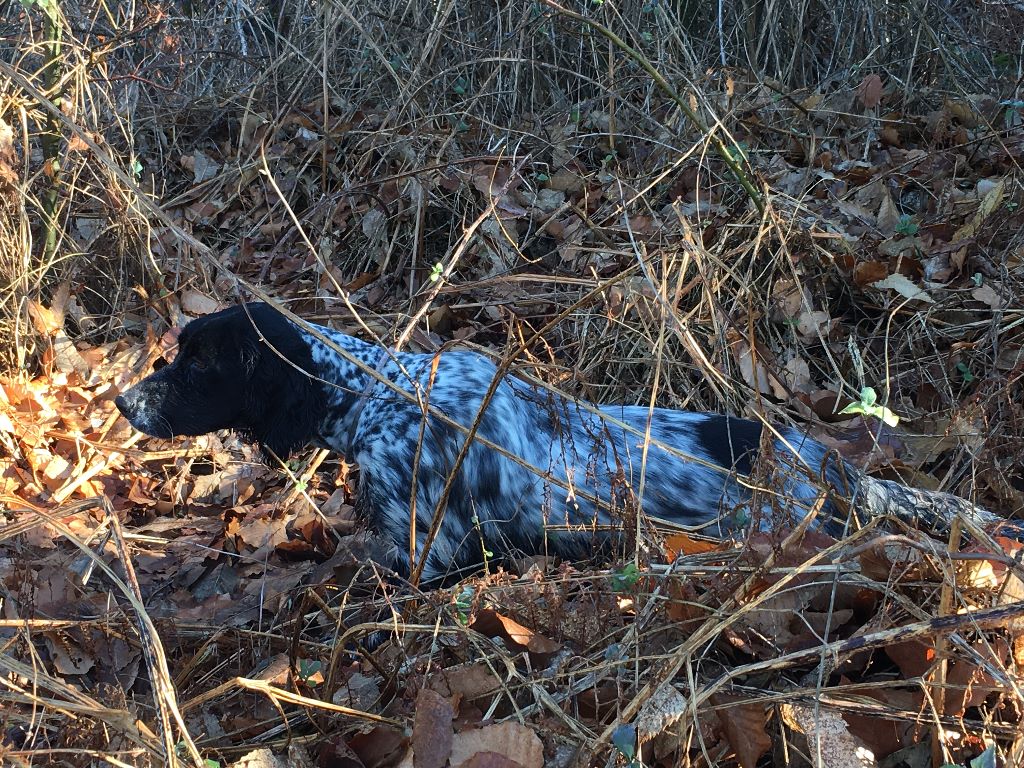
(123, 405)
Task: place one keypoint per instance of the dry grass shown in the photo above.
(349, 140)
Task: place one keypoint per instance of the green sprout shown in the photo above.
(906, 226)
(868, 405)
(626, 578)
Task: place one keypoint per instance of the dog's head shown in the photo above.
(246, 368)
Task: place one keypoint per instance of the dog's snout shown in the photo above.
(124, 405)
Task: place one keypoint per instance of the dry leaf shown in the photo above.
(512, 740)
(681, 544)
(432, 730)
(869, 92)
(67, 654)
(744, 727)
(491, 623)
(660, 712)
(490, 760)
(828, 737)
(989, 202)
(888, 216)
(753, 370)
(470, 681)
(986, 294)
(904, 287)
(867, 272)
(195, 303)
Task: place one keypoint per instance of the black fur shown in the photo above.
(248, 374)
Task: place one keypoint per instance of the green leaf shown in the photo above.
(907, 226)
(49, 7)
(626, 578)
(308, 668)
(624, 739)
(868, 406)
(435, 272)
(965, 372)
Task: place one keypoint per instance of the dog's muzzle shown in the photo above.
(136, 405)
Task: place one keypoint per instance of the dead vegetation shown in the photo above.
(172, 603)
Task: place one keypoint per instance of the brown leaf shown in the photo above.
(986, 294)
(509, 739)
(882, 735)
(470, 681)
(913, 657)
(491, 623)
(991, 198)
(432, 730)
(969, 684)
(489, 760)
(67, 655)
(8, 156)
(888, 216)
(196, 303)
(867, 272)
(47, 321)
(752, 366)
(869, 92)
(677, 544)
(827, 735)
(381, 746)
(744, 727)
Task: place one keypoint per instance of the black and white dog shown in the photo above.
(543, 474)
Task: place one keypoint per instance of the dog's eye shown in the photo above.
(197, 364)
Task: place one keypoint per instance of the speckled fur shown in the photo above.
(496, 505)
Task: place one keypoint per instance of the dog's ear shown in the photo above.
(284, 405)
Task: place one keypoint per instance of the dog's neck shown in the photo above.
(343, 384)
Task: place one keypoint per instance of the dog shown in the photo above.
(541, 474)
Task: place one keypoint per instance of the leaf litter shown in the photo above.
(889, 258)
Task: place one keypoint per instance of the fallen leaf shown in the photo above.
(986, 294)
(744, 727)
(867, 272)
(677, 544)
(903, 286)
(512, 740)
(661, 711)
(828, 736)
(869, 92)
(490, 760)
(195, 303)
(492, 624)
(432, 730)
(989, 202)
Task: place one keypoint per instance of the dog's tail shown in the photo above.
(929, 509)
